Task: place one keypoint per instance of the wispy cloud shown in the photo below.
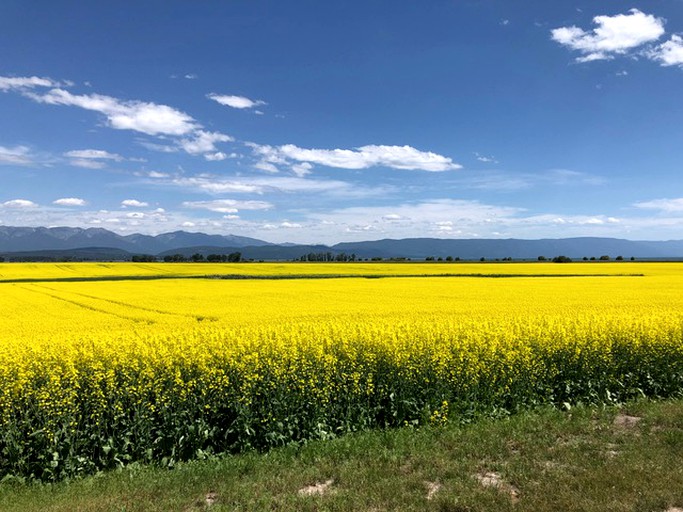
(154, 146)
(213, 185)
(91, 158)
(153, 119)
(664, 205)
(486, 159)
(239, 102)
(613, 35)
(18, 155)
(145, 117)
(510, 182)
(274, 184)
(227, 205)
(25, 82)
(569, 177)
(94, 154)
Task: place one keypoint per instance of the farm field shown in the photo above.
(98, 373)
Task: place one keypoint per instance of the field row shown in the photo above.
(14, 271)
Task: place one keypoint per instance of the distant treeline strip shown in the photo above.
(286, 276)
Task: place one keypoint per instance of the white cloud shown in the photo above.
(266, 166)
(493, 180)
(393, 217)
(93, 154)
(133, 203)
(442, 217)
(569, 177)
(19, 204)
(144, 117)
(91, 158)
(87, 164)
(157, 174)
(191, 76)
(215, 157)
(23, 82)
(217, 185)
(161, 148)
(302, 169)
(665, 205)
(70, 201)
(203, 142)
(149, 118)
(290, 225)
(613, 35)
(274, 184)
(486, 159)
(395, 157)
(669, 53)
(239, 102)
(227, 205)
(18, 155)
(435, 211)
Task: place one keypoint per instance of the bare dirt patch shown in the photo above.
(626, 421)
(432, 489)
(317, 489)
(210, 498)
(491, 479)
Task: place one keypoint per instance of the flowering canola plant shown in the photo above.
(98, 373)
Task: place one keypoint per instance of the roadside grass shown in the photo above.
(627, 458)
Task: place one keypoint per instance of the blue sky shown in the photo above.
(324, 122)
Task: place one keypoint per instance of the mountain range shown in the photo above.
(101, 244)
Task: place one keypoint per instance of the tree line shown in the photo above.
(233, 257)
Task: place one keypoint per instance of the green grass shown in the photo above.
(547, 460)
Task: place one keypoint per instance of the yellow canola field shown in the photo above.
(95, 374)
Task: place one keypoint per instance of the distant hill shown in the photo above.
(22, 239)
(101, 244)
(470, 249)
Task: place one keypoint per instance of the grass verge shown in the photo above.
(587, 459)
